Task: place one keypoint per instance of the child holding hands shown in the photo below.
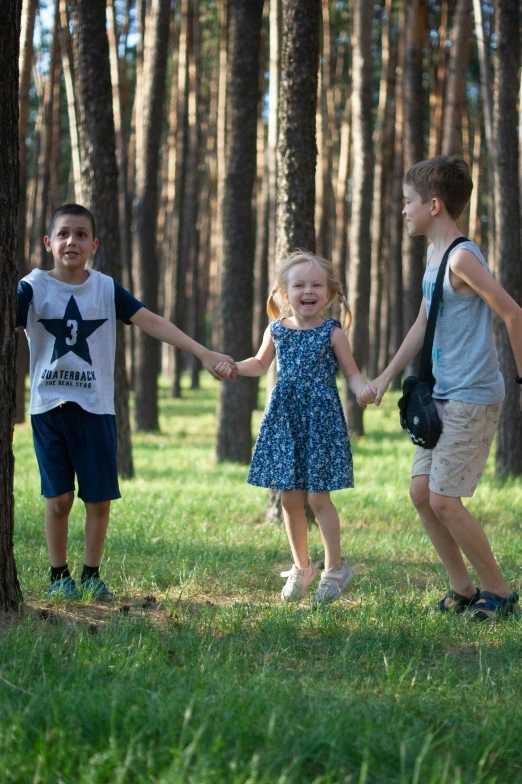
(69, 314)
(469, 388)
(303, 445)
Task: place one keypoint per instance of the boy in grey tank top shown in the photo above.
(469, 388)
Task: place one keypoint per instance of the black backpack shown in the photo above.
(418, 414)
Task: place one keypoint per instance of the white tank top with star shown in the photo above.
(71, 332)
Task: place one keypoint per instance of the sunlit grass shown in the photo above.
(213, 679)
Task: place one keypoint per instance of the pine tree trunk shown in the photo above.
(508, 245)
(296, 146)
(10, 21)
(395, 293)
(414, 100)
(182, 153)
(46, 148)
(487, 108)
(26, 59)
(100, 178)
(150, 119)
(191, 216)
(383, 164)
(360, 246)
(68, 72)
(234, 438)
(438, 89)
(459, 56)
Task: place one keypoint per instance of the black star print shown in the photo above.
(71, 332)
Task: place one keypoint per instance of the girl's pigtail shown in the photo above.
(272, 308)
(346, 316)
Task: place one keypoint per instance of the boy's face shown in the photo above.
(71, 242)
(418, 215)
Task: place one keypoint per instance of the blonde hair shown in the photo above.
(278, 306)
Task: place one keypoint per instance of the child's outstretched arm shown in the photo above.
(356, 381)
(410, 347)
(254, 366)
(167, 332)
(469, 269)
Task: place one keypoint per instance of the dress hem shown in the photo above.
(306, 489)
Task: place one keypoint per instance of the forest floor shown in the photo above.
(197, 673)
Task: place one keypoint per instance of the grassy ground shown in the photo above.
(197, 672)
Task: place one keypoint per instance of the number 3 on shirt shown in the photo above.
(74, 332)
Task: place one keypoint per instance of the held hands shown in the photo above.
(366, 395)
(219, 366)
(374, 392)
(226, 369)
(380, 385)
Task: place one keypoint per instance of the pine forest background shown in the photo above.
(211, 138)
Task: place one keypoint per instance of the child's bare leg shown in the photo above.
(330, 528)
(472, 541)
(442, 540)
(96, 522)
(296, 525)
(57, 511)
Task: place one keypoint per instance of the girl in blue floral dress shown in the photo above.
(303, 444)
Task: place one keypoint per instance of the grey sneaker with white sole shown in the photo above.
(332, 584)
(298, 581)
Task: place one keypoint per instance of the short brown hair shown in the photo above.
(445, 178)
(72, 209)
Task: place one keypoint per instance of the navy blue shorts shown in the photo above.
(69, 440)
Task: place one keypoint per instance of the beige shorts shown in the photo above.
(456, 463)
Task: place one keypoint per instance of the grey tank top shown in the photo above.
(465, 361)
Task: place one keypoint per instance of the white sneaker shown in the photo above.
(298, 581)
(333, 584)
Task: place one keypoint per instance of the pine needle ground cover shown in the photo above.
(197, 672)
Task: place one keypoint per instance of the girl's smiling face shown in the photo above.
(307, 292)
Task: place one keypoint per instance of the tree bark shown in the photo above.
(155, 70)
(46, 147)
(296, 145)
(68, 73)
(234, 439)
(438, 88)
(414, 100)
(459, 56)
(179, 230)
(25, 65)
(487, 108)
(100, 178)
(507, 204)
(384, 133)
(394, 333)
(360, 246)
(10, 21)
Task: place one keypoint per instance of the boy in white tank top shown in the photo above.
(469, 388)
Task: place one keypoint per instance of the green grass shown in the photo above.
(216, 681)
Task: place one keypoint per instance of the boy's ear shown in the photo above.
(47, 243)
(435, 206)
(94, 246)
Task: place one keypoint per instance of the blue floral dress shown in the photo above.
(303, 441)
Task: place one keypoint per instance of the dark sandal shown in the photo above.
(458, 602)
(491, 605)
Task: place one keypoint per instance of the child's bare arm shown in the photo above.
(469, 269)
(161, 329)
(342, 350)
(410, 347)
(256, 366)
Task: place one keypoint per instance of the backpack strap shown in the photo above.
(426, 358)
